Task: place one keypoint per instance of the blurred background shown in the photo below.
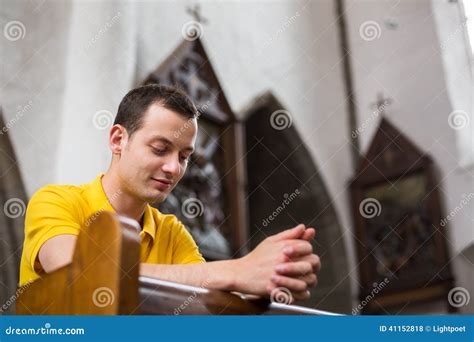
(351, 116)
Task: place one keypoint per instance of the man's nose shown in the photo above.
(172, 165)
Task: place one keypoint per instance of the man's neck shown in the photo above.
(122, 202)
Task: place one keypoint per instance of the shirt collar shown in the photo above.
(149, 226)
(100, 202)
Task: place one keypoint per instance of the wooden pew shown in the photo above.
(103, 279)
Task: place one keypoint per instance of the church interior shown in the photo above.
(351, 116)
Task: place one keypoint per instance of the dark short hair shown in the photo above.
(134, 105)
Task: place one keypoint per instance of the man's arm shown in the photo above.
(57, 252)
(282, 260)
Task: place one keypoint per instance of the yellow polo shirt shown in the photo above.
(65, 209)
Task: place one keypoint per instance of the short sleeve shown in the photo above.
(51, 212)
(185, 250)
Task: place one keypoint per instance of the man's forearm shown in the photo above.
(219, 275)
(282, 260)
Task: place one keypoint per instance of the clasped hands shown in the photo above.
(281, 265)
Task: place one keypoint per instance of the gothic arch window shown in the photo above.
(285, 188)
(13, 203)
(400, 233)
(209, 198)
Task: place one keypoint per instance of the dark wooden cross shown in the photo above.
(381, 104)
(195, 12)
(379, 107)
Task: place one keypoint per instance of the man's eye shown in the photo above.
(185, 158)
(159, 152)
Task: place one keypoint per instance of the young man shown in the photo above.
(148, 160)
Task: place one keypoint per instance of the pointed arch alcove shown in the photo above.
(13, 203)
(215, 174)
(285, 188)
(400, 230)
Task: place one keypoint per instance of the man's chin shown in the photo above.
(156, 199)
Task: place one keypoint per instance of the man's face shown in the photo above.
(155, 158)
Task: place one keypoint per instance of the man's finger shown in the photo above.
(298, 248)
(290, 234)
(313, 259)
(299, 268)
(309, 234)
(292, 284)
(310, 279)
(304, 295)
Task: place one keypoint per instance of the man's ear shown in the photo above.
(118, 137)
